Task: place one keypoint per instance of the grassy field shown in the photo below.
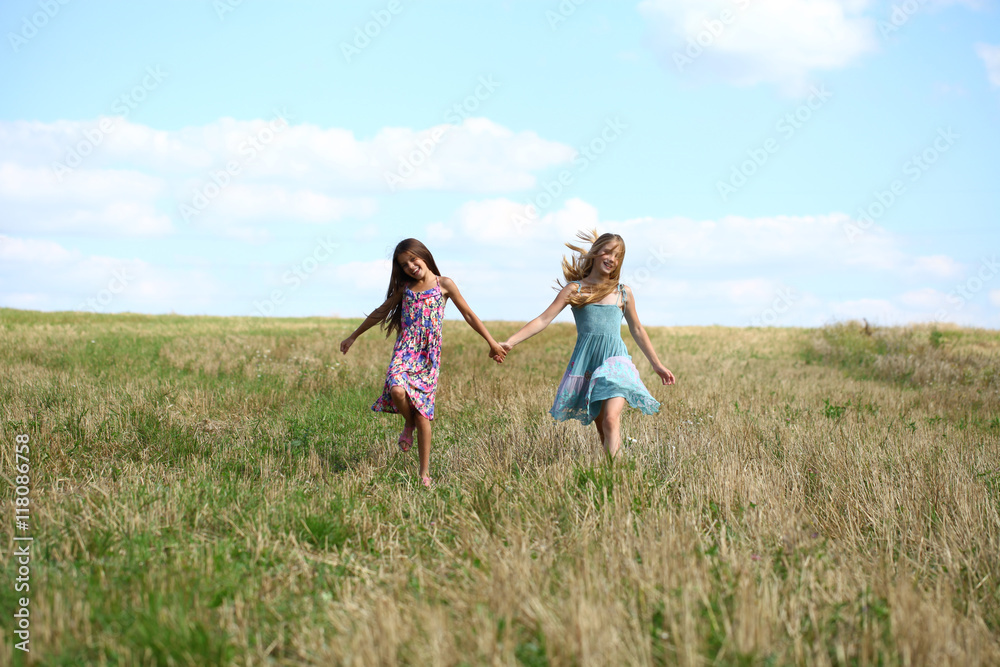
(216, 491)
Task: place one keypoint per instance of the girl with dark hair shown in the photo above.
(414, 310)
(600, 377)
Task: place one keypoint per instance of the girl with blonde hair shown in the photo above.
(600, 377)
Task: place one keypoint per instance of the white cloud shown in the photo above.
(111, 176)
(808, 242)
(507, 222)
(995, 297)
(31, 251)
(438, 231)
(738, 291)
(250, 235)
(99, 201)
(25, 301)
(921, 305)
(926, 297)
(811, 240)
(971, 4)
(575, 215)
(49, 276)
(763, 41)
(490, 221)
(941, 266)
(240, 203)
(990, 55)
(476, 156)
(368, 232)
(784, 270)
(368, 277)
(742, 291)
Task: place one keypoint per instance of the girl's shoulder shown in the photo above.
(570, 289)
(626, 293)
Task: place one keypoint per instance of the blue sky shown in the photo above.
(216, 157)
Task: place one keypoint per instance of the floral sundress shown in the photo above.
(416, 357)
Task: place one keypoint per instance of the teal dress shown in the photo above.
(600, 367)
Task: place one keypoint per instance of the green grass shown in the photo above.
(217, 491)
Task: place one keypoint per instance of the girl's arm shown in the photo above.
(642, 339)
(370, 321)
(545, 319)
(451, 291)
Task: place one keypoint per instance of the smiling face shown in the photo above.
(607, 259)
(412, 265)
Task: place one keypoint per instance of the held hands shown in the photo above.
(497, 352)
(346, 344)
(500, 352)
(665, 375)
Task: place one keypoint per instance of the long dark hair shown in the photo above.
(392, 319)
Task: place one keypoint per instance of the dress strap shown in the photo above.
(577, 285)
(621, 288)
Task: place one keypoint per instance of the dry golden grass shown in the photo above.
(216, 491)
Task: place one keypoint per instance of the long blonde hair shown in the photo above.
(582, 263)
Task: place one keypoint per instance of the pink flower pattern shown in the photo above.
(416, 357)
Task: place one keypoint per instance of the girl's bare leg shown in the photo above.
(611, 422)
(423, 443)
(599, 423)
(403, 405)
